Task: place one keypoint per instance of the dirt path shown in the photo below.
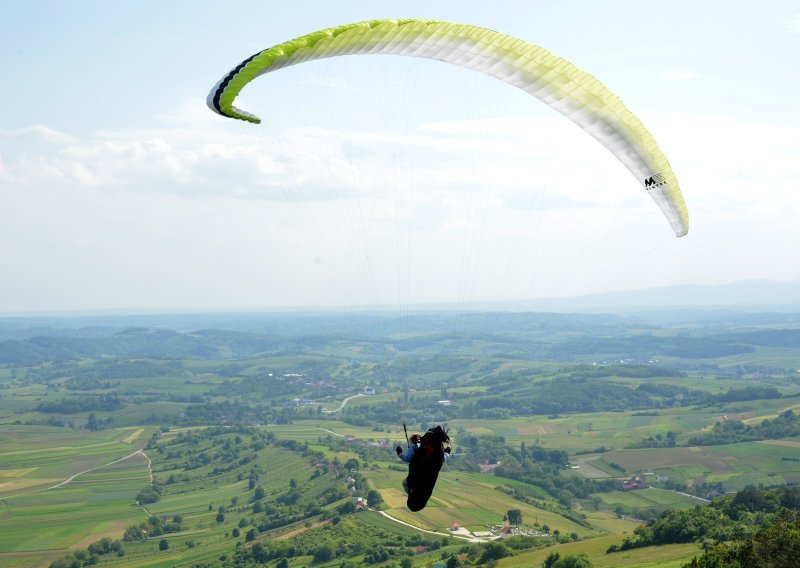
(149, 466)
(300, 530)
(396, 520)
(150, 474)
(345, 401)
(330, 432)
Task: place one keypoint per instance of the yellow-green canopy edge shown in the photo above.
(557, 82)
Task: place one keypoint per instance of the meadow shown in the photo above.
(472, 501)
(668, 556)
(205, 433)
(67, 497)
(735, 465)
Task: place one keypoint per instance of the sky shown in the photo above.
(382, 181)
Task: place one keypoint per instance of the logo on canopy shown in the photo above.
(654, 181)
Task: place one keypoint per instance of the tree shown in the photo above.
(163, 544)
(251, 535)
(282, 563)
(220, 517)
(374, 498)
(147, 495)
(573, 561)
(551, 560)
(235, 532)
(259, 494)
(494, 551)
(91, 423)
(346, 508)
(514, 517)
(323, 553)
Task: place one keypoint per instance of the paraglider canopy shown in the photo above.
(557, 82)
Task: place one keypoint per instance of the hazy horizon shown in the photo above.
(743, 295)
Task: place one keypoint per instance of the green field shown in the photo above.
(471, 500)
(35, 458)
(669, 556)
(267, 410)
(53, 519)
(736, 465)
(646, 502)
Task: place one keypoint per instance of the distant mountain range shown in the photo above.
(749, 303)
(746, 295)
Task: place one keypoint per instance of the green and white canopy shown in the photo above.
(575, 94)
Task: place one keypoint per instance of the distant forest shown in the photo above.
(554, 337)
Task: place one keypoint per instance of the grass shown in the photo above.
(667, 556)
(101, 501)
(98, 503)
(737, 465)
(23, 471)
(471, 500)
(580, 432)
(646, 502)
(312, 430)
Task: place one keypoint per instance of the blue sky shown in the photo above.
(121, 190)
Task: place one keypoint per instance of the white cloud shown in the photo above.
(38, 132)
(217, 213)
(679, 75)
(793, 23)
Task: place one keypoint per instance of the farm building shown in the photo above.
(635, 482)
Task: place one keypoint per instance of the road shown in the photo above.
(330, 432)
(396, 520)
(345, 401)
(689, 495)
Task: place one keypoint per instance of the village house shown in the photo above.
(635, 482)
